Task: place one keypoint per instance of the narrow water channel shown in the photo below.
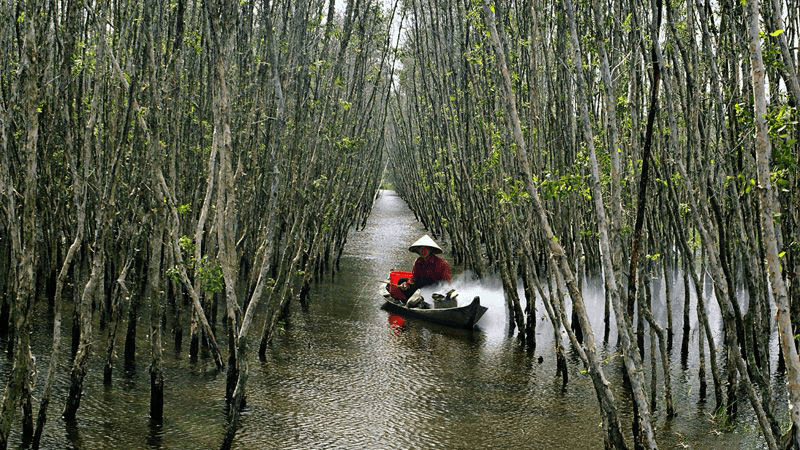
(340, 376)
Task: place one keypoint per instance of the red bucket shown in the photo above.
(395, 278)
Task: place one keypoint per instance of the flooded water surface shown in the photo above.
(346, 374)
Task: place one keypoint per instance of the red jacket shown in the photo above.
(429, 270)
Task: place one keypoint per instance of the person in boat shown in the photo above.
(428, 269)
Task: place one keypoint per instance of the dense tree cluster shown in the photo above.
(169, 160)
(626, 140)
(164, 157)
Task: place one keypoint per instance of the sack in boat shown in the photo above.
(445, 301)
(415, 301)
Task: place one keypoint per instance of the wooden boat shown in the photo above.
(460, 316)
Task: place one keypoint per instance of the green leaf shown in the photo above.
(777, 33)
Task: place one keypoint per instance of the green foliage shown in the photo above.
(784, 164)
(319, 66)
(347, 144)
(724, 421)
(627, 24)
(320, 182)
(558, 186)
(771, 51)
(207, 271)
(781, 123)
(194, 40)
(654, 257)
(514, 192)
(186, 244)
(84, 59)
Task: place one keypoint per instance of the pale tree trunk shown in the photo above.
(154, 290)
(769, 207)
(222, 20)
(630, 356)
(789, 66)
(90, 293)
(120, 291)
(243, 344)
(267, 245)
(611, 420)
(19, 387)
(549, 300)
(723, 298)
(719, 392)
(616, 218)
(668, 298)
(199, 233)
(171, 203)
(20, 383)
(93, 291)
(79, 188)
(702, 317)
(641, 412)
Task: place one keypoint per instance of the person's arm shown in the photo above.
(416, 272)
(445, 271)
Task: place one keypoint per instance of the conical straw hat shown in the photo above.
(425, 241)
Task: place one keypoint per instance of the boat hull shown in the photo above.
(460, 317)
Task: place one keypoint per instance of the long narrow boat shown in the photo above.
(461, 316)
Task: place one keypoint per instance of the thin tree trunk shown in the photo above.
(154, 295)
(222, 20)
(154, 290)
(768, 209)
(130, 345)
(19, 387)
(687, 300)
(79, 201)
(81, 360)
(611, 420)
(555, 319)
(630, 356)
(120, 291)
(657, 330)
(721, 291)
